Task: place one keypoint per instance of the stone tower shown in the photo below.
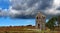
(40, 21)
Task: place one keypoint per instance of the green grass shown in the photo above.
(29, 31)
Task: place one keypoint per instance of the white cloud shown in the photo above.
(3, 13)
(53, 10)
(56, 3)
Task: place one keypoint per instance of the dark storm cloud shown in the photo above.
(29, 8)
(58, 8)
(25, 4)
(45, 4)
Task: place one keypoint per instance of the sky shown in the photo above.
(23, 12)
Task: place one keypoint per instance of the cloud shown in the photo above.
(27, 4)
(29, 8)
(55, 8)
(52, 12)
(3, 13)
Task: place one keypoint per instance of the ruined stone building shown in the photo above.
(40, 21)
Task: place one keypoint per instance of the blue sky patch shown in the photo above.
(4, 4)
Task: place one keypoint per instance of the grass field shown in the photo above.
(29, 31)
(23, 29)
(26, 32)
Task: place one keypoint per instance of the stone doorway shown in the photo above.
(38, 26)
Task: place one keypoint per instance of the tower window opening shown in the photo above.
(37, 17)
